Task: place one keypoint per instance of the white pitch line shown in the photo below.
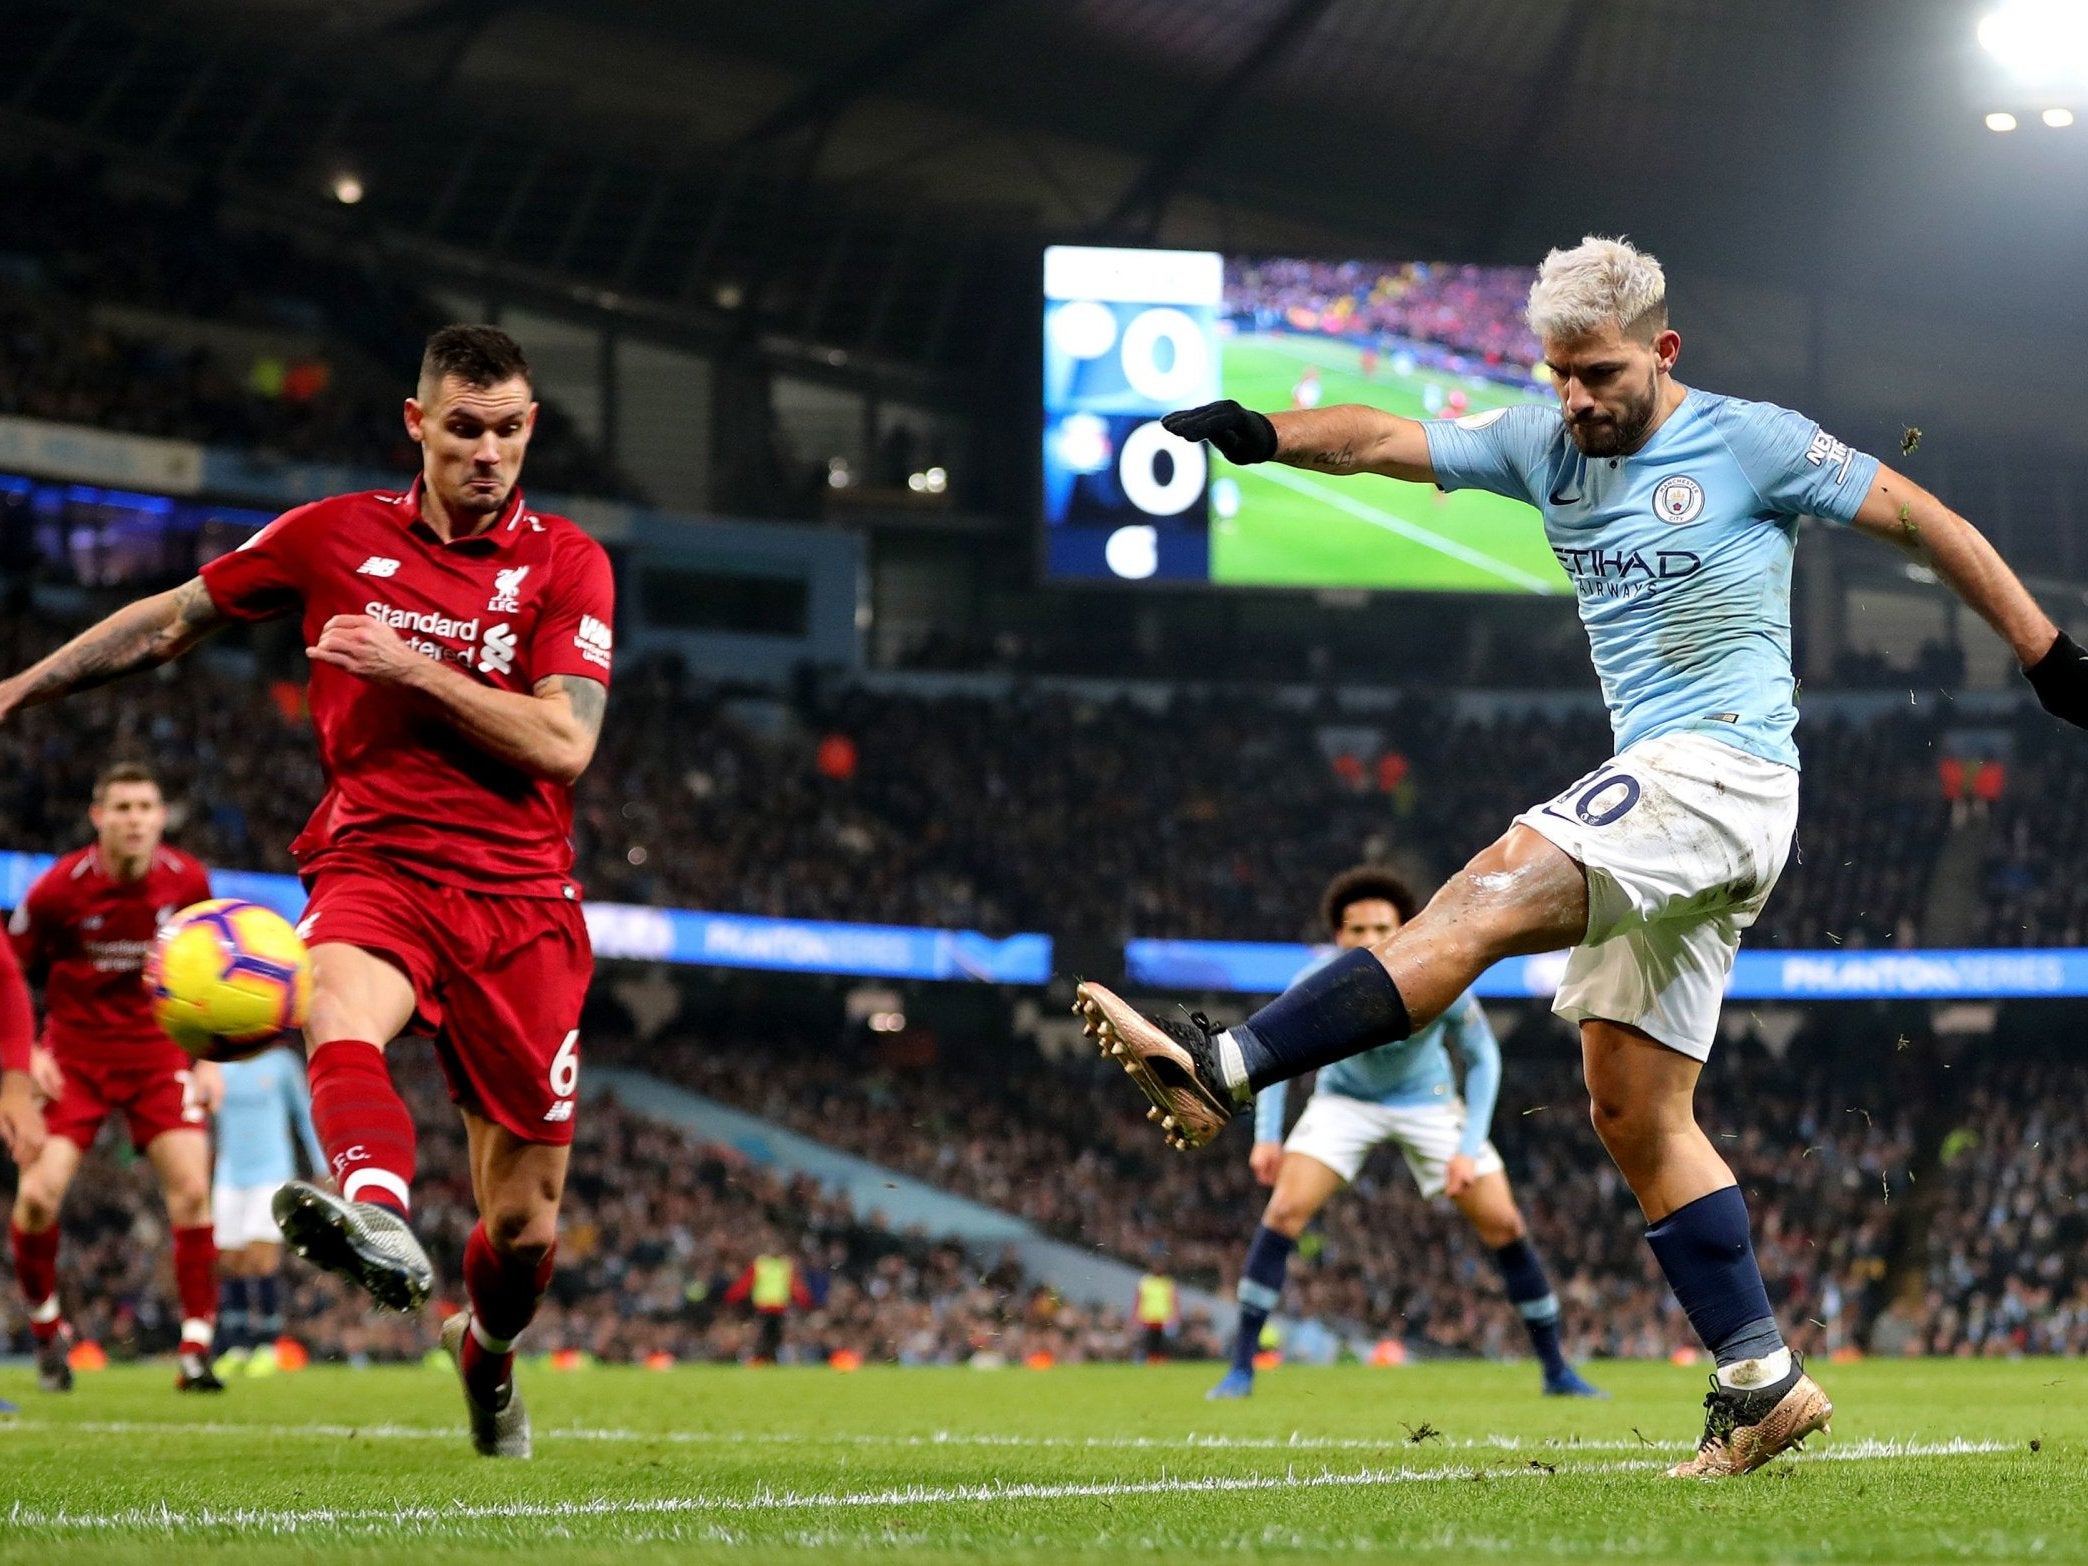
(428, 1519)
(1192, 1442)
(1869, 1447)
(1362, 511)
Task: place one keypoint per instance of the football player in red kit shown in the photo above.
(84, 929)
(21, 1115)
(460, 646)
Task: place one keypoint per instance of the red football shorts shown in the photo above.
(498, 983)
(150, 1087)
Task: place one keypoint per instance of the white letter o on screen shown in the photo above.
(1178, 382)
(1133, 551)
(1137, 466)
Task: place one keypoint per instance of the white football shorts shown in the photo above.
(241, 1216)
(1683, 838)
(1340, 1132)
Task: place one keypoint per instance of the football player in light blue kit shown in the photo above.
(265, 1100)
(1674, 513)
(1402, 1093)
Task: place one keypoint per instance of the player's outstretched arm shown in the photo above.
(137, 636)
(549, 733)
(1349, 438)
(1901, 512)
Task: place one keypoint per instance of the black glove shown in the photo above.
(2060, 679)
(1240, 434)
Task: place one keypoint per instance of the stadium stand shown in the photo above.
(659, 1225)
(1058, 1145)
(112, 314)
(957, 810)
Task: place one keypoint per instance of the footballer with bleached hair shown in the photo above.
(1674, 511)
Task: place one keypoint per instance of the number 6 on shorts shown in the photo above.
(565, 1066)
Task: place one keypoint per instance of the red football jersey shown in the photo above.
(87, 934)
(17, 1018)
(527, 598)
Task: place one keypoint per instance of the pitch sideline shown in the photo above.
(428, 1519)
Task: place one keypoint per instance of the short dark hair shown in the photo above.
(1367, 883)
(475, 355)
(123, 772)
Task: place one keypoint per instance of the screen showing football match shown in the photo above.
(1131, 335)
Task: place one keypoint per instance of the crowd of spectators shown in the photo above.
(2005, 1271)
(1474, 310)
(656, 1225)
(68, 246)
(1221, 818)
(1821, 1152)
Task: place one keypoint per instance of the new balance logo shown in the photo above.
(1824, 449)
(377, 565)
(304, 925)
(497, 654)
(507, 585)
(594, 639)
(562, 1110)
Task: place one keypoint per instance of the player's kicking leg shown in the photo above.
(1680, 878)
(360, 1001)
(1520, 896)
(34, 1232)
(181, 1159)
(1640, 1095)
(1303, 1185)
(1489, 1206)
(507, 1268)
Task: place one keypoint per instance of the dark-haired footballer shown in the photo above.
(460, 642)
(1405, 1094)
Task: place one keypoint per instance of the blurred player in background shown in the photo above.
(21, 1110)
(460, 646)
(1307, 391)
(265, 1100)
(1402, 1093)
(84, 929)
(1675, 513)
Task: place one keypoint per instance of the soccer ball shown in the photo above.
(228, 977)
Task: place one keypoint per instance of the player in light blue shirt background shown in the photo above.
(1404, 1093)
(1674, 512)
(266, 1112)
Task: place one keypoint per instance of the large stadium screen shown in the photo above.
(1132, 334)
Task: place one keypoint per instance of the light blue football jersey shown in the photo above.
(1680, 553)
(1413, 1071)
(265, 1099)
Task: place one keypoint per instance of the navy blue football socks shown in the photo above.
(1348, 1006)
(232, 1313)
(1708, 1256)
(268, 1308)
(1531, 1293)
(1261, 1286)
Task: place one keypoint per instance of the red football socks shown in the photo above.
(196, 1284)
(362, 1123)
(36, 1269)
(503, 1291)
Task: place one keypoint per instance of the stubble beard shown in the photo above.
(1613, 439)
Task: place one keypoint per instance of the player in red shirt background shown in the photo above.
(21, 1113)
(460, 646)
(84, 929)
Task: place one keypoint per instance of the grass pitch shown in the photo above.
(1954, 1460)
(1306, 530)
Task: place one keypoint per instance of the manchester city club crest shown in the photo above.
(1678, 500)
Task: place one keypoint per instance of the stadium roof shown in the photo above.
(872, 175)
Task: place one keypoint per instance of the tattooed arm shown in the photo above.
(1350, 438)
(140, 635)
(550, 732)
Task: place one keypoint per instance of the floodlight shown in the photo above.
(2039, 40)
